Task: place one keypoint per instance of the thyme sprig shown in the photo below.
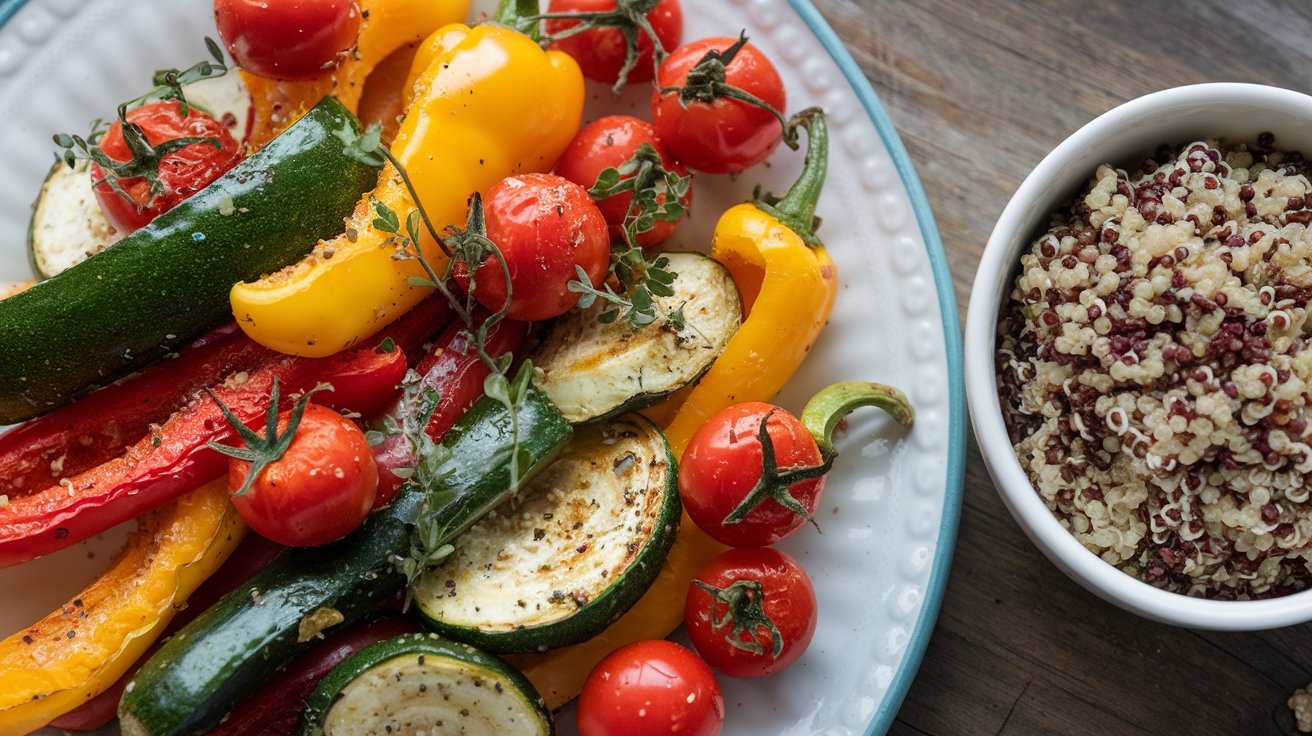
(467, 248)
(169, 83)
(145, 157)
(629, 18)
(657, 195)
(641, 282)
(658, 192)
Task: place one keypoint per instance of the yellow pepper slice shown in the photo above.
(76, 652)
(388, 26)
(788, 284)
(489, 104)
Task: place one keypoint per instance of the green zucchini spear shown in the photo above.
(222, 657)
(168, 282)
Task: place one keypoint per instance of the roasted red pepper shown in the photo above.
(174, 458)
(85, 434)
(252, 555)
(453, 369)
(96, 429)
(275, 710)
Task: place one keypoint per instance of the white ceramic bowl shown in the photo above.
(1123, 137)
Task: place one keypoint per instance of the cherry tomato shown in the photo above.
(601, 52)
(726, 135)
(651, 688)
(608, 143)
(723, 466)
(181, 173)
(751, 612)
(319, 490)
(545, 226)
(287, 39)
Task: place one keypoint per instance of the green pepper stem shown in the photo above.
(521, 15)
(796, 209)
(826, 409)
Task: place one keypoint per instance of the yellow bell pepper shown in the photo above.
(76, 652)
(489, 104)
(388, 26)
(788, 284)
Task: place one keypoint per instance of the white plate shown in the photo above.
(890, 513)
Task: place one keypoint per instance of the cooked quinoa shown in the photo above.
(1155, 369)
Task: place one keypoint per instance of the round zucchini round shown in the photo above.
(574, 550)
(422, 684)
(596, 370)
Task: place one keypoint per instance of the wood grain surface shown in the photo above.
(980, 91)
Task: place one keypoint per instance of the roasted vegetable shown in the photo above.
(568, 554)
(86, 433)
(71, 655)
(452, 368)
(405, 684)
(275, 710)
(788, 284)
(174, 457)
(119, 310)
(472, 123)
(594, 370)
(224, 655)
(389, 25)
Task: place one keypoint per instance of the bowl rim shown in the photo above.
(1010, 481)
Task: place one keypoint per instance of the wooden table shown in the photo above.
(981, 90)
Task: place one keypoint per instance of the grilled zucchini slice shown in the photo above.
(420, 684)
(596, 371)
(574, 550)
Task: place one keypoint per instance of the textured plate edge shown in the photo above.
(947, 538)
(946, 542)
(8, 8)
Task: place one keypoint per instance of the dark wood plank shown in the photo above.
(981, 91)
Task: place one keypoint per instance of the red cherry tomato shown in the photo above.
(724, 136)
(545, 226)
(601, 52)
(608, 143)
(319, 490)
(651, 688)
(181, 173)
(756, 614)
(722, 466)
(287, 39)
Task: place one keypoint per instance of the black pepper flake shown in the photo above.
(71, 634)
(538, 534)
(27, 639)
(61, 532)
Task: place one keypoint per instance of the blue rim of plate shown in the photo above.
(947, 534)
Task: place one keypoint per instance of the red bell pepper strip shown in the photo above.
(275, 710)
(95, 429)
(413, 331)
(453, 369)
(174, 458)
(252, 555)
